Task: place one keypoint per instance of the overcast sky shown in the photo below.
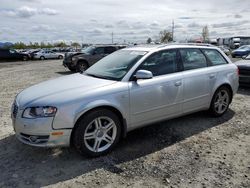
(130, 20)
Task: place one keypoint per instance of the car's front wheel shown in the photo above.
(97, 133)
(60, 57)
(220, 102)
(82, 66)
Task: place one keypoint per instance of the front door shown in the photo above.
(160, 97)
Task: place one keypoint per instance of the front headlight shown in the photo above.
(38, 112)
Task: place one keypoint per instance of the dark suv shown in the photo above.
(9, 54)
(80, 61)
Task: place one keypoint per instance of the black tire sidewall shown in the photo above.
(78, 135)
(81, 63)
(212, 107)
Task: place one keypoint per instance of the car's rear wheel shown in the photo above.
(60, 57)
(97, 133)
(25, 58)
(220, 101)
(82, 66)
(42, 58)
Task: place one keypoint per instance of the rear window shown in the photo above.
(193, 59)
(215, 57)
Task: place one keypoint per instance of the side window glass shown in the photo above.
(109, 50)
(99, 50)
(192, 59)
(160, 63)
(215, 57)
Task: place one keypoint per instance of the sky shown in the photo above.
(130, 20)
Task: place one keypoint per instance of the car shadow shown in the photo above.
(26, 166)
(244, 90)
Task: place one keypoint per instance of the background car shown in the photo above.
(10, 54)
(81, 61)
(241, 51)
(225, 49)
(244, 71)
(48, 54)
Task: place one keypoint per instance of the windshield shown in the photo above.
(88, 50)
(116, 65)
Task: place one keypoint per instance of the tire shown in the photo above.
(60, 57)
(25, 58)
(233, 56)
(82, 66)
(97, 133)
(220, 101)
(42, 58)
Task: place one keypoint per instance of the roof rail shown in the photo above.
(188, 44)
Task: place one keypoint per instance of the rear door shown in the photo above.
(196, 78)
(160, 97)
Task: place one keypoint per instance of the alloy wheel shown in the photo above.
(221, 101)
(100, 134)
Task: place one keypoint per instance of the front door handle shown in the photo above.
(178, 83)
(211, 76)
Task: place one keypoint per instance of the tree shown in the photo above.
(149, 40)
(205, 34)
(165, 36)
(75, 45)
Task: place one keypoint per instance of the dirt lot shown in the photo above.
(192, 151)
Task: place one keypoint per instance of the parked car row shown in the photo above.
(11, 54)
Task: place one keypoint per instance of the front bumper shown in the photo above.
(39, 131)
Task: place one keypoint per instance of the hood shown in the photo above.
(239, 50)
(63, 87)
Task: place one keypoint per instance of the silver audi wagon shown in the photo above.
(126, 90)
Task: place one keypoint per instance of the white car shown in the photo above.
(48, 54)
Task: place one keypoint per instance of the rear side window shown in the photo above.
(215, 57)
(109, 50)
(192, 59)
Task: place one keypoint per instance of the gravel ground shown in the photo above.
(192, 151)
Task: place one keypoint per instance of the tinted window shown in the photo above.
(109, 50)
(192, 59)
(215, 57)
(99, 50)
(161, 63)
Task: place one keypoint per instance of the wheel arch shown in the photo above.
(108, 107)
(228, 86)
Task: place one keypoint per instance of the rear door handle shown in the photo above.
(178, 83)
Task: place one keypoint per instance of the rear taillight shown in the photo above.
(238, 71)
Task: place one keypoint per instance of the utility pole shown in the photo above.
(173, 30)
(112, 35)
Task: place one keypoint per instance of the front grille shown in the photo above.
(35, 139)
(15, 110)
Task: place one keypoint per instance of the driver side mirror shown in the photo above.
(143, 74)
